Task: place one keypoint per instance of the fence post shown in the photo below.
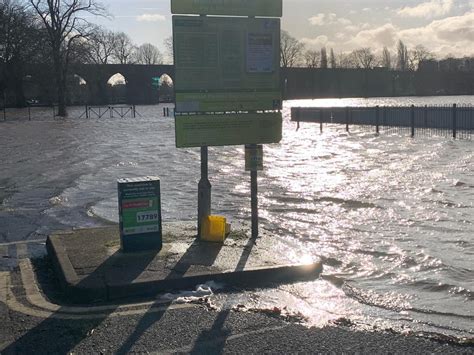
(321, 120)
(377, 118)
(298, 116)
(426, 116)
(412, 114)
(454, 121)
(4, 106)
(347, 119)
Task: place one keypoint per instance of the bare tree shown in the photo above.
(417, 55)
(348, 61)
(312, 58)
(168, 43)
(65, 24)
(402, 56)
(332, 59)
(149, 54)
(386, 58)
(20, 43)
(290, 50)
(124, 50)
(365, 58)
(324, 58)
(102, 44)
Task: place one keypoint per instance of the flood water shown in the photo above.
(391, 217)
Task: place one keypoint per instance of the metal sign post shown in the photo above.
(227, 82)
(204, 190)
(254, 163)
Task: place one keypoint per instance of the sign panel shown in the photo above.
(229, 129)
(140, 213)
(226, 64)
(263, 8)
(253, 157)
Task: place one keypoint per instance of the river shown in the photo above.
(391, 217)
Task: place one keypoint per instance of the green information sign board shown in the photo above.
(228, 129)
(226, 64)
(140, 214)
(263, 8)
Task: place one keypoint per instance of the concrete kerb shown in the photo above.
(257, 277)
(74, 290)
(98, 289)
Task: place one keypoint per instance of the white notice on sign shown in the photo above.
(260, 53)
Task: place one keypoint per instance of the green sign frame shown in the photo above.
(228, 129)
(226, 64)
(263, 8)
(140, 213)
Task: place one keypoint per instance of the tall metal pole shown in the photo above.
(204, 190)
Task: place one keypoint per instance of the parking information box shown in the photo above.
(140, 214)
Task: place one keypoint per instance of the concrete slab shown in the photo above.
(91, 267)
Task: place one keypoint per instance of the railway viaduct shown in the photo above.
(95, 79)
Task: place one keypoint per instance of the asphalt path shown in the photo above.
(29, 326)
(198, 330)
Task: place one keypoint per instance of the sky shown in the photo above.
(445, 27)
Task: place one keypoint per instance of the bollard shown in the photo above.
(377, 113)
(87, 112)
(412, 120)
(29, 113)
(134, 110)
(454, 121)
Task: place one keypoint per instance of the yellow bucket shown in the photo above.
(214, 229)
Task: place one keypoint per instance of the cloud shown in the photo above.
(429, 9)
(318, 42)
(150, 18)
(385, 35)
(452, 35)
(328, 19)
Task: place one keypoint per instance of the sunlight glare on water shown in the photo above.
(390, 217)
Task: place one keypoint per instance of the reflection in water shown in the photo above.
(390, 216)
